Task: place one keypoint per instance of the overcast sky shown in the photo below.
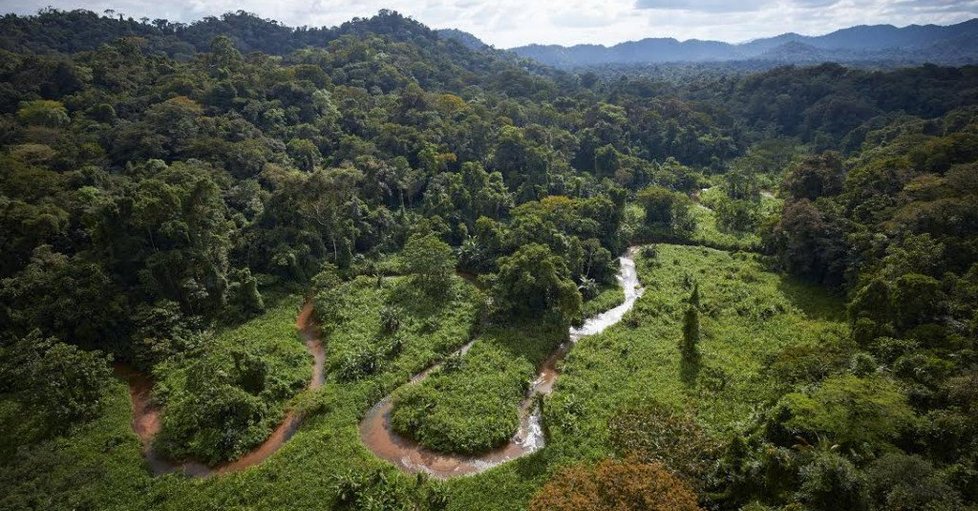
(508, 23)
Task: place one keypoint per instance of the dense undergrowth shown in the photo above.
(608, 297)
(388, 326)
(224, 398)
(95, 466)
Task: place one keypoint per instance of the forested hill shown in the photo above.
(53, 30)
(877, 45)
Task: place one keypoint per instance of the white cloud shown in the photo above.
(507, 23)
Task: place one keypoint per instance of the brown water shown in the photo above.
(378, 435)
(146, 416)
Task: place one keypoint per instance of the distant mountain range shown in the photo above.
(882, 44)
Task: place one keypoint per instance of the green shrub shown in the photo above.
(851, 411)
(830, 483)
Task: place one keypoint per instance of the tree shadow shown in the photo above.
(815, 301)
(689, 369)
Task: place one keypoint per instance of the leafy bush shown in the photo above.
(430, 261)
(830, 482)
(657, 433)
(852, 411)
(910, 483)
(615, 486)
(534, 281)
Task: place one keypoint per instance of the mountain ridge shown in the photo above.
(943, 44)
(49, 31)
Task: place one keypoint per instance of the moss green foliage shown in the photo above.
(851, 411)
(901, 481)
(831, 481)
(59, 383)
(608, 297)
(472, 403)
(223, 399)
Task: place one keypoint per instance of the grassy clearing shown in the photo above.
(472, 404)
(747, 314)
(247, 372)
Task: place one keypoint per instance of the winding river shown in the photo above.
(375, 428)
(146, 416)
(378, 435)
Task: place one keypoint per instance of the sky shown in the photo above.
(509, 23)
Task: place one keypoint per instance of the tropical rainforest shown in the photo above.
(792, 255)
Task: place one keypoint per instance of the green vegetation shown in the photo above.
(362, 340)
(224, 398)
(535, 281)
(732, 224)
(163, 187)
(472, 403)
(98, 464)
(609, 297)
(747, 315)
